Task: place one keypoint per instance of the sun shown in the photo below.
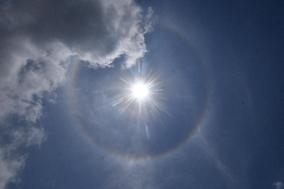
(143, 92)
(140, 91)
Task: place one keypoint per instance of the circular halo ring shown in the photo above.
(72, 101)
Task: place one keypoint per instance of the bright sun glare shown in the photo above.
(140, 90)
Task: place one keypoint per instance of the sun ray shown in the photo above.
(141, 98)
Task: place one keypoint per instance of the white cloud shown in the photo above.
(34, 49)
(9, 168)
(12, 160)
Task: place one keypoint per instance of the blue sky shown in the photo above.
(214, 120)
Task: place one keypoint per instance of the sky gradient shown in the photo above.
(215, 118)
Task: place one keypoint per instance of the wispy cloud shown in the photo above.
(36, 40)
(278, 185)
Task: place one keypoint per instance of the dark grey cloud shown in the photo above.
(36, 39)
(101, 30)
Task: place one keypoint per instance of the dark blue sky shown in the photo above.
(220, 68)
